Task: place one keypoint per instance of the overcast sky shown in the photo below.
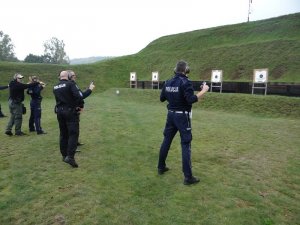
(121, 27)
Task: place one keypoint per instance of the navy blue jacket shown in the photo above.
(179, 93)
(84, 94)
(35, 92)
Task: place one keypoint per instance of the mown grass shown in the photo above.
(248, 165)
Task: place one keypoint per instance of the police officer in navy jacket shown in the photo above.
(179, 93)
(72, 77)
(35, 106)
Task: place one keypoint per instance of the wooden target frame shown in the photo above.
(216, 80)
(260, 79)
(133, 80)
(155, 80)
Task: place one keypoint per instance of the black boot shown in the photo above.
(71, 161)
(41, 132)
(1, 114)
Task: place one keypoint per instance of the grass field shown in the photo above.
(249, 167)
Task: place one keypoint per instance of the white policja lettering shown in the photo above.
(171, 89)
(59, 86)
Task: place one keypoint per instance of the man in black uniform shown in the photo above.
(179, 93)
(2, 88)
(68, 100)
(16, 97)
(72, 76)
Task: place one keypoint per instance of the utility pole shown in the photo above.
(249, 10)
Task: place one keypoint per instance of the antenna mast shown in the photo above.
(249, 9)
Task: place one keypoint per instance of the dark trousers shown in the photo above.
(68, 120)
(177, 122)
(1, 114)
(35, 115)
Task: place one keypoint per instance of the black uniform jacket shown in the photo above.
(16, 90)
(67, 94)
(3, 87)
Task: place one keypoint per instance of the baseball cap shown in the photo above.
(18, 75)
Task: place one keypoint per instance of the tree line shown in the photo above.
(54, 51)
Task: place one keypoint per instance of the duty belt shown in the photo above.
(186, 112)
(65, 108)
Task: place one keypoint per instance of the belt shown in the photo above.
(186, 112)
(65, 108)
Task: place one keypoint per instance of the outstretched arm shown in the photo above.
(3, 87)
(87, 92)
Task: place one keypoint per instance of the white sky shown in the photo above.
(121, 27)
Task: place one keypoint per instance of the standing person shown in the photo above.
(179, 93)
(35, 106)
(16, 97)
(72, 76)
(68, 101)
(2, 88)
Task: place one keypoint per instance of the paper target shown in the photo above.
(261, 76)
(216, 76)
(155, 76)
(133, 76)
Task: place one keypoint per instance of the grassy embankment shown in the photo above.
(236, 49)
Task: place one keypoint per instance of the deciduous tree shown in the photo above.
(54, 52)
(6, 48)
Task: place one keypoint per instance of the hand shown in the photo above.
(42, 84)
(205, 87)
(92, 86)
(79, 110)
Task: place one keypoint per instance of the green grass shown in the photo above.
(248, 164)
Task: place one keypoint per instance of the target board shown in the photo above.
(260, 76)
(133, 76)
(216, 76)
(155, 76)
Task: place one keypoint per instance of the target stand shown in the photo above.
(260, 80)
(155, 80)
(133, 80)
(216, 80)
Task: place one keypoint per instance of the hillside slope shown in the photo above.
(236, 49)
